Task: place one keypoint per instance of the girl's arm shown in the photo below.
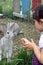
(38, 53)
(32, 46)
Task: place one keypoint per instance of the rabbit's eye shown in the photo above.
(7, 32)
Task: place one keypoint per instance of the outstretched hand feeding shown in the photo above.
(27, 44)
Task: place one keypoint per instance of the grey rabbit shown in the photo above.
(10, 30)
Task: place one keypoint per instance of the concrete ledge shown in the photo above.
(1, 15)
(19, 15)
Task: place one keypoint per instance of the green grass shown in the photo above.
(22, 58)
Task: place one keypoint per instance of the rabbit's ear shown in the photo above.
(10, 25)
(3, 28)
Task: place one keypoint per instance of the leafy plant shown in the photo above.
(25, 57)
(7, 7)
(0, 9)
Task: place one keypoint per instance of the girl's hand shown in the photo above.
(27, 44)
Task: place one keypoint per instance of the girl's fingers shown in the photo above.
(27, 48)
(26, 43)
(24, 40)
(32, 41)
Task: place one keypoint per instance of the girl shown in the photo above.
(31, 45)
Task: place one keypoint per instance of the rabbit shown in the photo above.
(10, 30)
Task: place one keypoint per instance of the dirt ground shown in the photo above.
(28, 30)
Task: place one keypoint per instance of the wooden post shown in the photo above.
(42, 2)
(16, 6)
